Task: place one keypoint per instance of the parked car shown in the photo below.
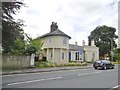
(103, 64)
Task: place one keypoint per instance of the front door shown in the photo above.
(69, 56)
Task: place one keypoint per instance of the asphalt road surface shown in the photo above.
(78, 78)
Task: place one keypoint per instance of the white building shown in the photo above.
(91, 52)
(56, 48)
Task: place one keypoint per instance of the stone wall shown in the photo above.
(15, 61)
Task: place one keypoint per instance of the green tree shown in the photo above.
(11, 29)
(19, 46)
(28, 46)
(117, 54)
(104, 37)
(33, 45)
(13, 36)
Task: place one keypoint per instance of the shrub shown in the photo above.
(42, 64)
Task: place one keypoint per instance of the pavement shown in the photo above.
(35, 70)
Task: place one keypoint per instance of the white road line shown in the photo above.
(112, 70)
(88, 73)
(116, 86)
(25, 82)
(53, 78)
(73, 70)
(32, 81)
(59, 71)
(96, 72)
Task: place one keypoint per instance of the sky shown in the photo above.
(76, 18)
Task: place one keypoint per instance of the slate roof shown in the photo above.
(57, 32)
(75, 47)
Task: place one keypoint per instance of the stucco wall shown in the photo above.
(57, 55)
(72, 55)
(91, 53)
(55, 42)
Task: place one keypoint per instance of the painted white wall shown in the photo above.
(55, 42)
(92, 43)
(56, 45)
(57, 55)
(89, 50)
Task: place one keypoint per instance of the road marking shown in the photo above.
(111, 70)
(25, 82)
(88, 73)
(53, 78)
(73, 70)
(116, 86)
(10, 84)
(96, 72)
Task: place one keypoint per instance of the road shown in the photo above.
(78, 78)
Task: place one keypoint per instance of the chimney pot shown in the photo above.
(75, 43)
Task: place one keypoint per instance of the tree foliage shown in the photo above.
(28, 46)
(33, 45)
(10, 8)
(11, 29)
(13, 36)
(104, 37)
(19, 46)
(117, 54)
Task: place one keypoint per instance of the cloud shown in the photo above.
(76, 18)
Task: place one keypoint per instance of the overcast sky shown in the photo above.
(76, 18)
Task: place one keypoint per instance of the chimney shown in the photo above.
(53, 26)
(75, 43)
(92, 42)
(83, 43)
